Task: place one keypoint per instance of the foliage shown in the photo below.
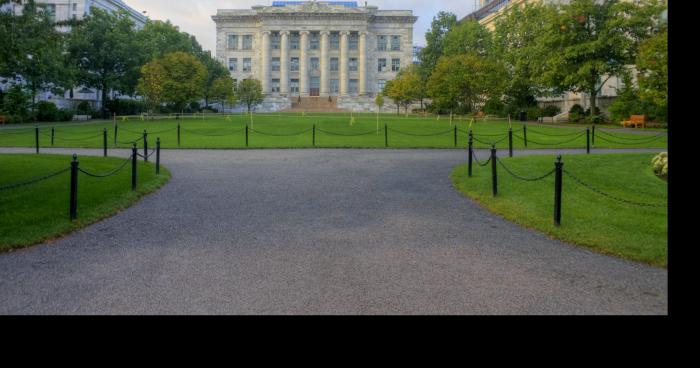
(46, 111)
(467, 37)
(218, 85)
(660, 165)
(250, 93)
(465, 81)
(379, 101)
(442, 23)
(16, 102)
(405, 88)
(576, 113)
(533, 113)
(494, 106)
(222, 90)
(151, 85)
(104, 48)
(176, 78)
(652, 63)
(122, 106)
(551, 110)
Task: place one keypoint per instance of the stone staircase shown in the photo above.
(314, 104)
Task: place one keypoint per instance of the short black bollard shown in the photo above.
(510, 142)
(525, 135)
(158, 156)
(313, 135)
(558, 168)
(593, 136)
(116, 130)
(178, 134)
(74, 188)
(104, 141)
(588, 140)
(386, 136)
(471, 152)
(36, 137)
(246, 135)
(455, 136)
(494, 172)
(134, 153)
(145, 145)
(53, 134)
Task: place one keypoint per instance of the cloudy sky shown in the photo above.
(194, 16)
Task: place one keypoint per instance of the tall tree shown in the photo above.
(652, 64)
(442, 23)
(468, 37)
(221, 90)
(589, 40)
(151, 85)
(249, 93)
(104, 49)
(216, 72)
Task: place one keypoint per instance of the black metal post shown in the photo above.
(455, 136)
(116, 130)
(104, 141)
(246, 135)
(494, 171)
(178, 134)
(134, 153)
(386, 136)
(74, 188)
(145, 145)
(36, 137)
(510, 142)
(525, 135)
(471, 152)
(588, 140)
(593, 136)
(53, 134)
(158, 156)
(558, 168)
(313, 139)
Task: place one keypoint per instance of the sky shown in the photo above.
(194, 16)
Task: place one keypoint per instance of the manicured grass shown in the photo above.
(40, 212)
(588, 219)
(292, 130)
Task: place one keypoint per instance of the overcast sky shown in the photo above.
(194, 16)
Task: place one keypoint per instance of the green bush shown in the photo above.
(16, 103)
(494, 106)
(46, 111)
(533, 113)
(660, 165)
(125, 107)
(576, 113)
(551, 110)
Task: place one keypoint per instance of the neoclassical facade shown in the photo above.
(309, 49)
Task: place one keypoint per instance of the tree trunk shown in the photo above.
(594, 94)
(104, 100)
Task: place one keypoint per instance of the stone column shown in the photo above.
(362, 67)
(325, 67)
(343, 67)
(265, 68)
(284, 63)
(303, 63)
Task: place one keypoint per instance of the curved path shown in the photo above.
(317, 232)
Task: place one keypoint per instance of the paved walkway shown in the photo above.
(317, 232)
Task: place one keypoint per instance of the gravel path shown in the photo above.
(317, 232)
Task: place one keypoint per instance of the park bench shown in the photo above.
(2, 120)
(636, 121)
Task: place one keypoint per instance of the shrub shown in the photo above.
(16, 102)
(551, 110)
(576, 113)
(125, 107)
(65, 115)
(533, 112)
(660, 165)
(494, 106)
(46, 111)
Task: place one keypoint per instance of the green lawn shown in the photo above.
(588, 219)
(292, 130)
(40, 212)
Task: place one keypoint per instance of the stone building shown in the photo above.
(306, 53)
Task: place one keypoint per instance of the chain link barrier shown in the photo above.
(421, 135)
(282, 135)
(551, 144)
(213, 135)
(477, 160)
(610, 196)
(530, 130)
(522, 177)
(108, 174)
(656, 138)
(491, 143)
(33, 180)
(630, 138)
(346, 134)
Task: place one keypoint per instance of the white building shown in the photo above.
(323, 51)
(63, 10)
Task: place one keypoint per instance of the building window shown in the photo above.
(51, 11)
(395, 43)
(352, 65)
(294, 86)
(395, 65)
(233, 64)
(294, 64)
(314, 40)
(381, 43)
(335, 40)
(380, 85)
(381, 65)
(247, 42)
(75, 7)
(294, 40)
(275, 85)
(352, 86)
(334, 64)
(353, 40)
(275, 64)
(233, 42)
(314, 63)
(247, 65)
(275, 40)
(335, 86)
